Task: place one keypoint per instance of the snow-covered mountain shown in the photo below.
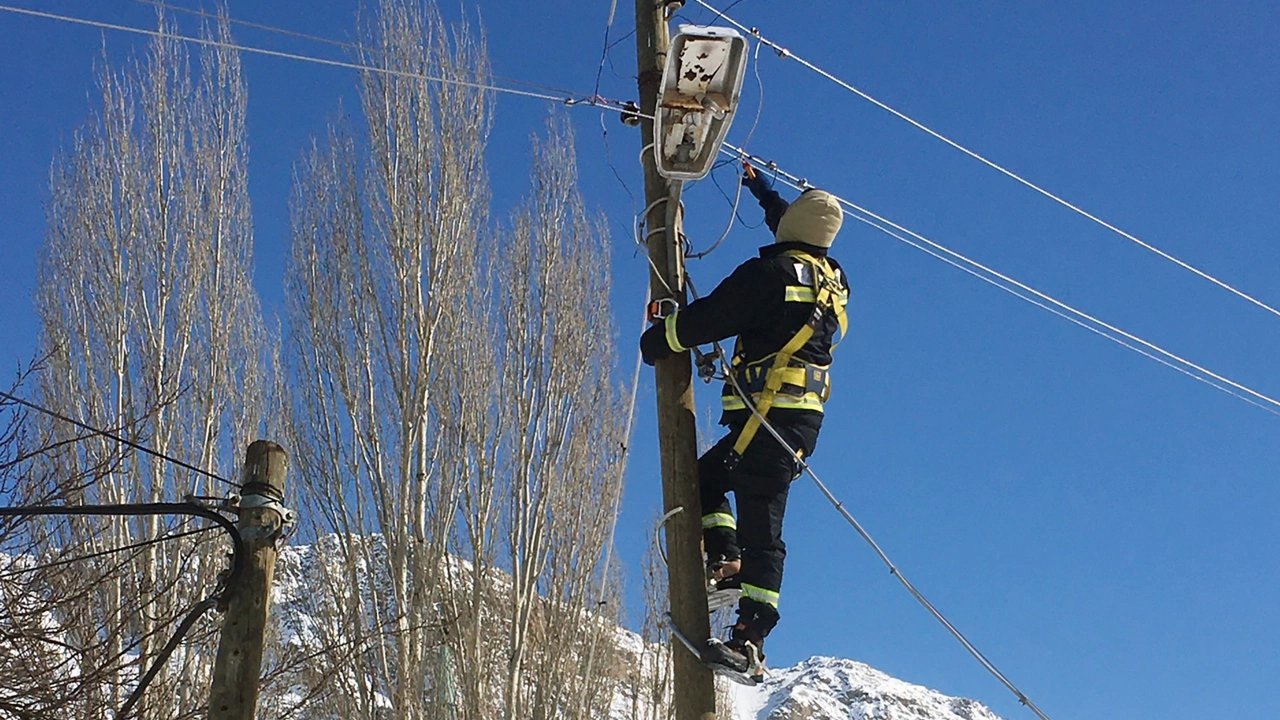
(819, 688)
(823, 688)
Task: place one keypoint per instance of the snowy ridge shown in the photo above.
(823, 688)
(820, 688)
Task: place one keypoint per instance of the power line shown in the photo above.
(112, 436)
(275, 29)
(238, 563)
(720, 13)
(249, 24)
(208, 42)
(1034, 296)
(152, 509)
(103, 553)
(785, 53)
(605, 46)
(162, 657)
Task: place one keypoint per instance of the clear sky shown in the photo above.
(1102, 527)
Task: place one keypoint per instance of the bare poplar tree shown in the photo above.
(454, 418)
(153, 330)
(562, 426)
(388, 352)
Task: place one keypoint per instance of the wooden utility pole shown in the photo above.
(234, 691)
(695, 697)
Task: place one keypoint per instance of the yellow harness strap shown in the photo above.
(828, 296)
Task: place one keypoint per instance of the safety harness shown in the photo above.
(780, 380)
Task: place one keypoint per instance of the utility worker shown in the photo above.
(785, 308)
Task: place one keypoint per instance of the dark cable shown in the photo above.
(604, 52)
(187, 623)
(117, 438)
(144, 510)
(723, 12)
(104, 553)
(150, 509)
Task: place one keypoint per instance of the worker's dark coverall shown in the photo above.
(759, 303)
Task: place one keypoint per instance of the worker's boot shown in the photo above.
(741, 656)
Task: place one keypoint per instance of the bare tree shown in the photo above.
(454, 418)
(562, 424)
(387, 352)
(152, 329)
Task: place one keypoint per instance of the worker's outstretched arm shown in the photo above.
(769, 199)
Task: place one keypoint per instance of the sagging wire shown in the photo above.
(737, 197)
(643, 242)
(721, 13)
(95, 432)
(61, 562)
(604, 51)
(213, 600)
(249, 24)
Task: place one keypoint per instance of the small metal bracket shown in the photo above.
(630, 114)
(708, 365)
(662, 307)
(288, 518)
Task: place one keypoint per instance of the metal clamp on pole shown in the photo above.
(662, 307)
(708, 365)
(288, 518)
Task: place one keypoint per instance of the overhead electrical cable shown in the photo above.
(209, 42)
(1032, 295)
(604, 50)
(277, 30)
(249, 24)
(615, 105)
(229, 580)
(61, 562)
(113, 436)
(785, 53)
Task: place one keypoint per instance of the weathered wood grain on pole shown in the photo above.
(234, 691)
(677, 442)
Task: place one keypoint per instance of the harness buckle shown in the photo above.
(706, 363)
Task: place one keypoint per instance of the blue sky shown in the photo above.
(1102, 527)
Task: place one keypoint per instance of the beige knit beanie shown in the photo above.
(814, 218)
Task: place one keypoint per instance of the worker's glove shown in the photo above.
(653, 344)
(756, 182)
